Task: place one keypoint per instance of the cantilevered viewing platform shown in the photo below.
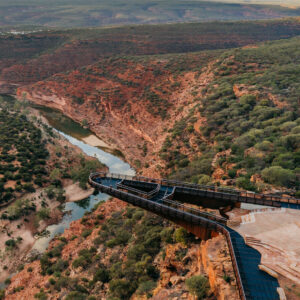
(166, 198)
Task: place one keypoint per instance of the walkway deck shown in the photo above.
(157, 196)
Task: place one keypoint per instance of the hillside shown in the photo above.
(122, 252)
(34, 176)
(36, 56)
(66, 13)
(238, 109)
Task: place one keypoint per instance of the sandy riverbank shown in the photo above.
(74, 193)
(95, 142)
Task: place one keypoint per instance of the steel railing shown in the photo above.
(194, 211)
(240, 196)
(147, 195)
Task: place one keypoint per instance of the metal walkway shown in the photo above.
(157, 196)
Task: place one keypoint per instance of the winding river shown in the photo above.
(76, 135)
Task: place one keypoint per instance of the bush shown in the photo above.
(245, 184)
(101, 275)
(167, 235)
(75, 296)
(121, 288)
(232, 173)
(204, 179)
(79, 262)
(278, 175)
(198, 286)
(43, 213)
(122, 237)
(181, 236)
(146, 288)
(138, 215)
(264, 146)
(11, 243)
(86, 233)
(41, 295)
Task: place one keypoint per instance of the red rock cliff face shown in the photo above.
(217, 264)
(129, 104)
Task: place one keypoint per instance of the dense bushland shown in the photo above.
(23, 155)
(251, 110)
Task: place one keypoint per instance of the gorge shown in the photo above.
(207, 103)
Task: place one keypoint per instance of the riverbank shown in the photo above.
(19, 230)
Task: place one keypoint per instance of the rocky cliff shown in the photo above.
(129, 103)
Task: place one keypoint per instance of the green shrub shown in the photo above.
(278, 175)
(290, 142)
(43, 213)
(232, 173)
(181, 236)
(79, 262)
(146, 288)
(121, 288)
(102, 275)
(86, 233)
(198, 286)
(75, 296)
(204, 179)
(264, 146)
(245, 183)
(41, 295)
(167, 235)
(227, 278)
(138, 215)
(11, 244)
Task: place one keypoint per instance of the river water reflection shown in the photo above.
(75, 134)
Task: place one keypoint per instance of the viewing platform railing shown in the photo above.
(218, 192)
(194, 211)
(146, 195)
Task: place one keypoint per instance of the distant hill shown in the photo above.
(78, 13)
(28, 58)
(287, 3)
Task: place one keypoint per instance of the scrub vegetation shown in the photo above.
(130, 232)
(23, 155)
(251, 110)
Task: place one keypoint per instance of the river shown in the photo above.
(75, 134)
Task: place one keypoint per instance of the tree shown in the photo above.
(198, 286)
(278, 175)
